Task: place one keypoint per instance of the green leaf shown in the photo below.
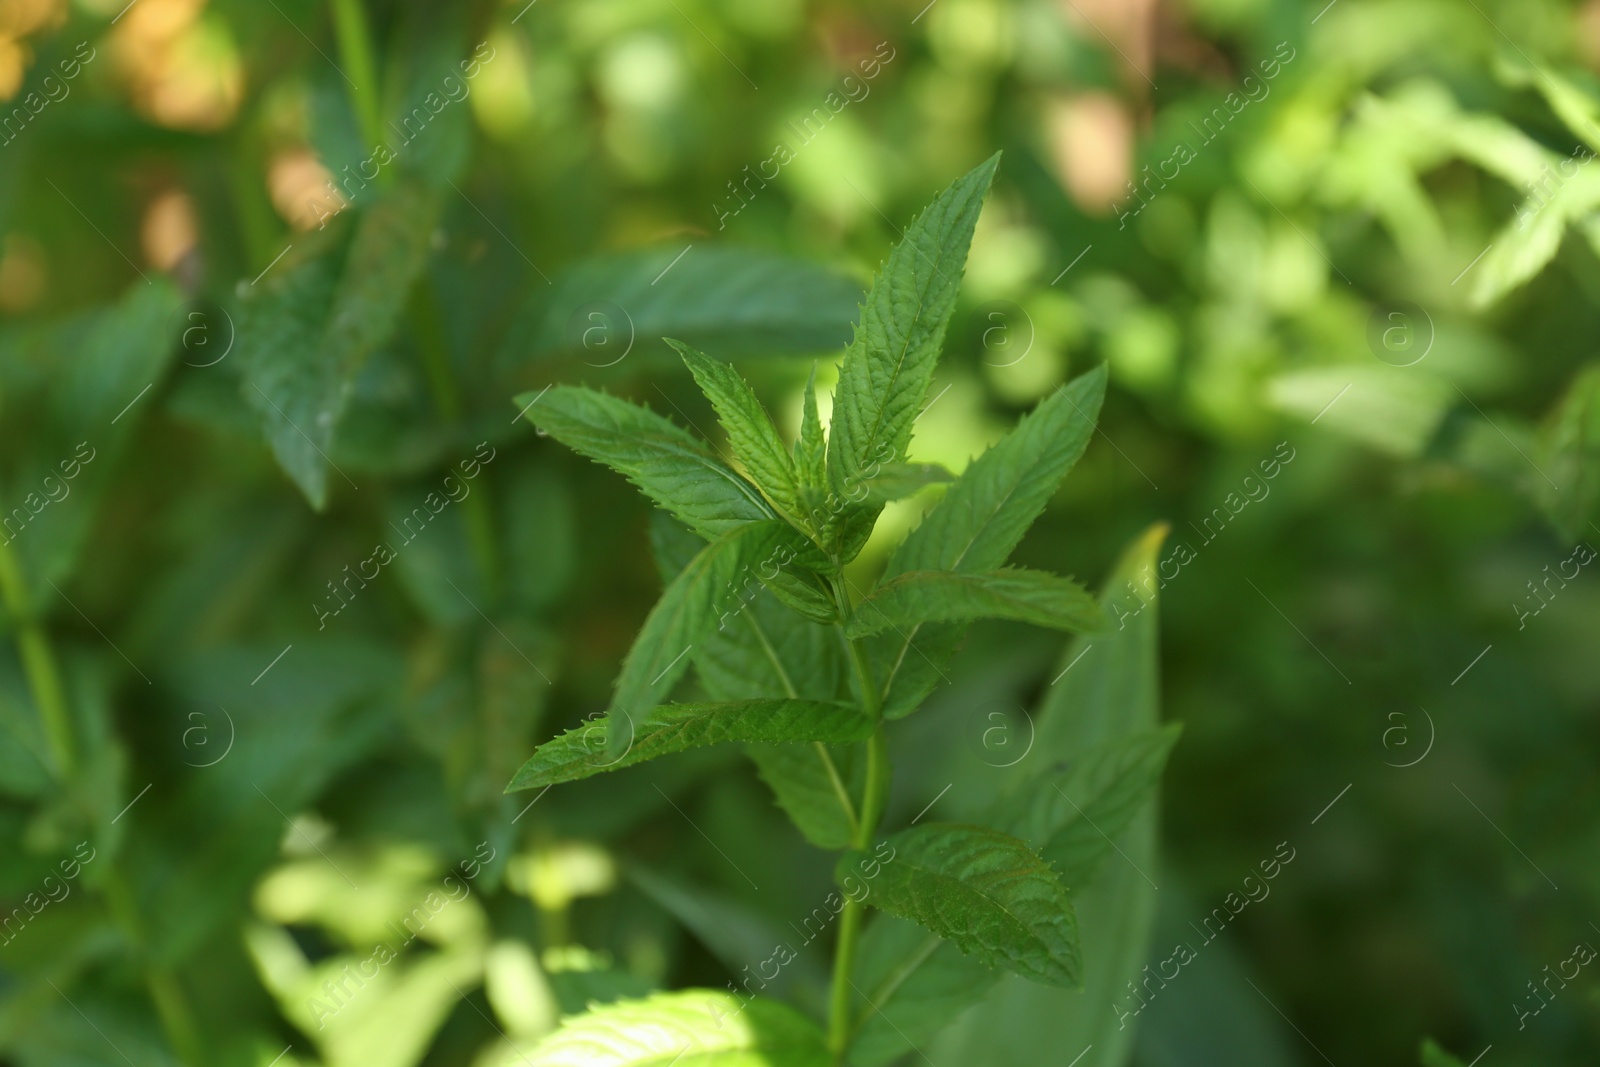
(671, 467)
(582, 751)
(984, 890)
(734, 932)
(692, 1028)
(1396, 409)
(896, 481)
(725, 301)
(815, 785)
(1435, 1056)
(986, 511)
(771, 650)
(310, 323)
(702, 598)
(1072, 815)
(890, 362)
(977, 524)
(811, 449)
(1100, 717)
(73, 393)
(1112, 692)
(1569, 453)
(755, 440)
(1014, 593)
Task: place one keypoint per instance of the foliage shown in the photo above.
(287, 595)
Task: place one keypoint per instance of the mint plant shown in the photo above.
(806, 668)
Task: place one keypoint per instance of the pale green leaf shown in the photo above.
(1015, 593)
(754, 439)
(307, 326)
(671, 466)
(692, 1028)
(1396, 409)
(890, 362)
(984, 890)
(582, 751)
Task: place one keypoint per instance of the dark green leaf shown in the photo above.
(896, 481)
(754, 439)
(916, 597)
(310, 323)
(1111, 693)
(703, 598)
(977, 524)
(1072, 815)
(667, 463)
(890, 362)
(984, 890)
(582, 751)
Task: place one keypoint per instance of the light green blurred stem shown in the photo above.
(874, 795)
(49, 695)
(359, 67)
(39, 663)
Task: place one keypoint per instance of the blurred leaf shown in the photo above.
(728, 302)
(1434, 1056)
(1074, 814)
(1568, 447)
(896, 481)
(1388, 408)
(693, 1028)
(308, 325)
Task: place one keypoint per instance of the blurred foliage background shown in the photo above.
(270, 273)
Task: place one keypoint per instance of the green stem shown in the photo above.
(874, 796)
(39, 663)
(360, 69)
(172, 1005)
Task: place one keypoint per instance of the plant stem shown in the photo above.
(360, 69)
(39, 662)
(874, 796)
